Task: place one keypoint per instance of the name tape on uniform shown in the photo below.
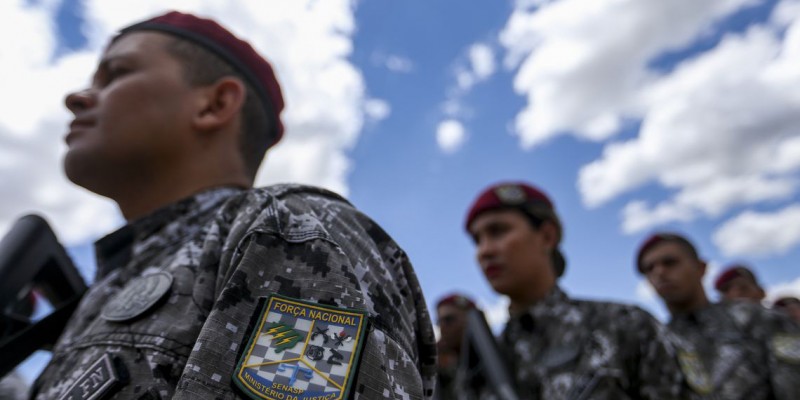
(103, 378)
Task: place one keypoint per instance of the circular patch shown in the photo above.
(137, 297)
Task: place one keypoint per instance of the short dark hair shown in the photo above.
(202, 67)
(664, 237)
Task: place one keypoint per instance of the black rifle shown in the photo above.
(32, 259)
(481, 360)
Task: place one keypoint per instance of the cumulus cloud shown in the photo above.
(715, 138)
(450, 135)
(392, 62)
(481, 66)
(478, 66)
(754, 233)
(582, 63)
(308, 42)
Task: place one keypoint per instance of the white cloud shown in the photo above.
(399, 64)
(481, 59)
(308, 43)
(754, 233)
(376, 109)
(392, 62)
(582, 63)
(714, 136)
(450, 135)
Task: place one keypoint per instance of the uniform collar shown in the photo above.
(164, 226)
(553, 305)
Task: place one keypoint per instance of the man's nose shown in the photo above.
(80, 100)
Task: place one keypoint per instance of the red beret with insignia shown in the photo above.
(527, 199)
(732, 273)
(224, 44)
(458, 300)
(661, 237)
(511, 195)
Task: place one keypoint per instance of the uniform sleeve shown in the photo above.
(657, 374)
(311, 269)
(783, 346)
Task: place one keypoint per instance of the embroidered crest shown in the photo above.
(695, 372)
(137, 297)
(786, 347)
(301, 350)
(102, 379)
(511, 194)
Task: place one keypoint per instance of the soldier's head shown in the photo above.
(451, 316)
(738, 282)
(517, 232)
(790, 306)
(672, 266)
(176, 98)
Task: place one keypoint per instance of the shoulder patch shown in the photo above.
(300, 350)
(695, 373)
(786, 347)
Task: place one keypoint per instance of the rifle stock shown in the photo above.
(481, 359)
(31, 257)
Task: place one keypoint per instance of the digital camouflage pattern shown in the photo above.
(563, 349)
(226, 249)
(738, 350)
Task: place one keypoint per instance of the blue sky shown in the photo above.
(633, 116)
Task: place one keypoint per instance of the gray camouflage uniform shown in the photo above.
(572, 349)
(739, 350)
(225, 249)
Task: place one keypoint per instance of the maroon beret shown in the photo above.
(525, 198)
(785, 301)
(731, 273)
(236, 52)
(458, 300)
(660, 237)
(512, 195)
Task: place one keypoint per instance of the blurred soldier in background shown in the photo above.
(729, 350)
(558, 347)
(790, 306)
(738, 282)
(451, 316)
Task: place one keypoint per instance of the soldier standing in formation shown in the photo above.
(559, 347)
(451, 316)
(738, 282)
(213, 289)
(729, 350)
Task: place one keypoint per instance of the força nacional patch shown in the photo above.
(299, 350)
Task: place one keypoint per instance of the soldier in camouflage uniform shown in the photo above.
(451, 316)
(738, 282)
(559, 347)
(730, 350)
(215, 290)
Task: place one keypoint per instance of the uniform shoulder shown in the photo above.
(620, 314)
(749, 315)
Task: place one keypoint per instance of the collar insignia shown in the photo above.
(301, 350)
(786, 347)
(694, 372)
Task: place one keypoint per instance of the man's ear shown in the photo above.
(702, 264)
(549, 232)
(220, 103)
